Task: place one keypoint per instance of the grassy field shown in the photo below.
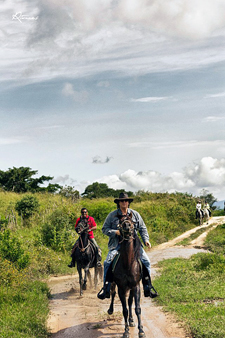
(194, 289)
(34, 248)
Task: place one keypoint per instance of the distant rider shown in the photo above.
(206, 206)
(92, 226)
(199, 209)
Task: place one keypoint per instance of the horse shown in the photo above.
(206, 214)
(126, 274)
(85, 256)
(199, 216)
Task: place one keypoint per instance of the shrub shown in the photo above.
(57, 232)
(27, 206)
(11, 249)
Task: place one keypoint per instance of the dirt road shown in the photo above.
(86, 317)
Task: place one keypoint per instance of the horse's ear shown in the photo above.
(131, 214)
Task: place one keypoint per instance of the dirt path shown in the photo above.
(86, 317)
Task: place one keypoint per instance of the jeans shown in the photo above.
(112, 253)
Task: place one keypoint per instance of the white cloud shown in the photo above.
(178, 144)
(75, 38)
(214, 118)
(209, 174)
(77, 96)
(6, 141)
(215, 95)
(150, 99)
(188, 18)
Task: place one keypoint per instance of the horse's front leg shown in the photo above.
(113, 294)
(80, 278)
(122, 295)
(137, 298)
(130, 302)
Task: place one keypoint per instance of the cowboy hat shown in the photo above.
(123, 196)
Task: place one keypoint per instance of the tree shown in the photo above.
(69, 192)
(208, 197)
(101, 190)
(20, 180)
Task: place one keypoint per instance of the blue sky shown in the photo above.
(129, 93)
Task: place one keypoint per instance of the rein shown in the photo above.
(82, 248)
(124, 233)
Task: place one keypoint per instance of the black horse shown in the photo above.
(127, 273)
(85, 256)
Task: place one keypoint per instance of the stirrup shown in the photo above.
(153, 293)
(148, 291)
(103, 293)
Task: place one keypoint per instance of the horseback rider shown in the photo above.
(206, 206)
(92, 226)
(110, 228)
(199, 209)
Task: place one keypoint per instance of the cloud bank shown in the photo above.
(208, 174)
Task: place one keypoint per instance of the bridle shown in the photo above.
(82, 227)
(126, 227)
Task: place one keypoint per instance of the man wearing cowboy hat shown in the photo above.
(110, 228)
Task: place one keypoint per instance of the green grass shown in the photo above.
(215, 240)
(194, 289)
(23, 304)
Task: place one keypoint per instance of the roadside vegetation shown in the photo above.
(194, 289)
(37, 234)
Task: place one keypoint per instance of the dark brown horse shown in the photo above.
(127, 274)
(85, 256)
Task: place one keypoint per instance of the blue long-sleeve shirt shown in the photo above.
(110, 227)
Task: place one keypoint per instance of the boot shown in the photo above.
(149, 290)
(105, 291)
(71, 265)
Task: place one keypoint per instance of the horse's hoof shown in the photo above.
(110, 312)
(131, 323)
(126, 335)
(141, 335)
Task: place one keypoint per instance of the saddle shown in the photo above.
(109, 276)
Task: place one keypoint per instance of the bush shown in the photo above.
(27, 206)
(58, 232)
(10, 249)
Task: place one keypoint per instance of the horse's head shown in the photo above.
(82, 227)
(126, 227)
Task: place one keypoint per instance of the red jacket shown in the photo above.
(91, 223)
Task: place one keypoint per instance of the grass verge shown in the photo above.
(194, 290)
(23, 304)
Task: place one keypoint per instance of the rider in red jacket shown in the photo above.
(92, 226)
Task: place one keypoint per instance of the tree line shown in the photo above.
(21, 180)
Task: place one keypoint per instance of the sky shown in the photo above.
(128, 93)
